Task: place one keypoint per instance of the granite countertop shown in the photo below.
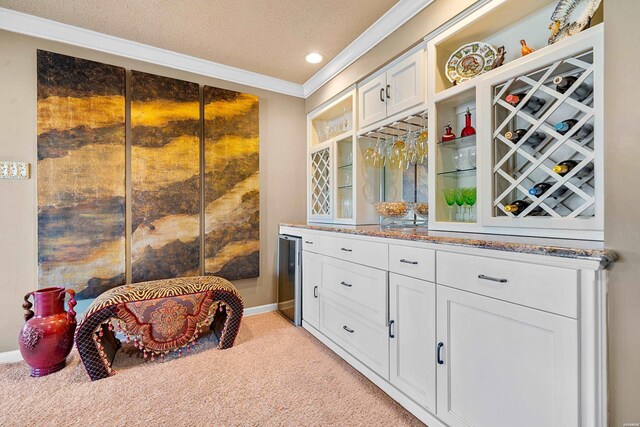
(576, 249)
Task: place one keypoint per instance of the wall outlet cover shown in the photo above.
(15, 170)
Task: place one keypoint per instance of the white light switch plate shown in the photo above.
(14, 170)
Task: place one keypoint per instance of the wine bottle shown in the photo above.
(564, 83)
(566, 125)
(533, 105)
(535, 139)
(519, 206)
(542, 187)
(566, 166)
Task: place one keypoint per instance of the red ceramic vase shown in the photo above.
(47, 335)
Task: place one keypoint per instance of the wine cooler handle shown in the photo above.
(388, 91)
(492, 279)
(315, 292)
(440, 361)
(391, 334)
(382, 94)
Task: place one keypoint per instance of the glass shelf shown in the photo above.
(340, 187)
(461, 142)
(345, 166)
(457, 173)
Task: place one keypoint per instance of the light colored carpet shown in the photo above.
(275, 375)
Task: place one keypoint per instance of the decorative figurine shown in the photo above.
(47, 335)
(468, 129)
(569, 19)
(526, 50)
(448, 133)
(499, 58)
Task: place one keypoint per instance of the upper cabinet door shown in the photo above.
(405, 84)
(372, 101)
(504, 365)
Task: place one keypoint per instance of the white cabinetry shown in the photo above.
(393, 90)
(501, 364)
(372, 101)
(311, 280)
(339, 188)
(412, 329)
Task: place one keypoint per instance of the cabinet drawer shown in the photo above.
(373, 254)
(366, 253)
(367, 342)
(414, 262)
(311, 243)
(552, 289)
(363, 289)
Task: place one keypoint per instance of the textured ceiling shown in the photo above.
(265, 36)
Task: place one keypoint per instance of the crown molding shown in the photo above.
(378, 31)
(30, 25)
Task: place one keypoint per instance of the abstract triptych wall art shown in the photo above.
(232, 211)
(83, 181)
(81, 174)
(165, 177)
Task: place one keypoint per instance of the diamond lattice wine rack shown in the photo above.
(546, 127)
(321, 182)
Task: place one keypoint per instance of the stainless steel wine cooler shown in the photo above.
(290, 278)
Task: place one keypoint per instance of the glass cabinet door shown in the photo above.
(344, 178)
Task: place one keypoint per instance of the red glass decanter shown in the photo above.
(448, 133)
(468, 129)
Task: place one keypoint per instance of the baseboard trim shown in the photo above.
(251, 311)
(12, 356)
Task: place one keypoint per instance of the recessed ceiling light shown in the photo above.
(313, 58)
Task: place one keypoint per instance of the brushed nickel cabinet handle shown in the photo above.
(348, 329)
(406, 261)
(348, 285)
(492, 279)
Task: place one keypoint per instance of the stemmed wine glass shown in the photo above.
(469, 198)
(450, 198)
(460, 202)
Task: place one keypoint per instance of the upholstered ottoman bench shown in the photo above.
(159, 317)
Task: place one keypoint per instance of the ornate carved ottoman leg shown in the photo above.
(226, 321)
(96, 361)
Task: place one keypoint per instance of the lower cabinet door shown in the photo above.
(365, 340)
(311, 279)
(412, 337)
(501, 364)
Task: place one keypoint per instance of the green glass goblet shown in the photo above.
(460, 203)
(450, 198)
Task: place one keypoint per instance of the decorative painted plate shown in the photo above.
(470, 61)
(571, 17)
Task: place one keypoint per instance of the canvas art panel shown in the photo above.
(232, 184)
(81, 174)
(165, 177)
